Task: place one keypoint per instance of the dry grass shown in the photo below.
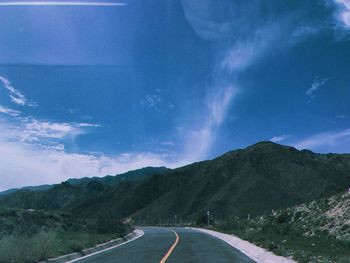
(43, 245)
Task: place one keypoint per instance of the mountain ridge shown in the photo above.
(254, 180)
(108, 179)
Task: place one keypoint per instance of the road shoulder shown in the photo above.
(256, 253)
(75, 257)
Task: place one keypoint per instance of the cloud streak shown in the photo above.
(61, 3)
(280, 138)
(241, 43)
(338, 141)
(343, 12)
(31, 130)
(200, 140)
(15, 95)
(9, 111)
(316, 85)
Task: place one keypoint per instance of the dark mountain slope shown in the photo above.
(109, 180)
(31, 188)
(112, 180)
(252, 181)
(74, 191)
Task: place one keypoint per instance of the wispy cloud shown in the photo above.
(157, 101)
(9, 111)
(60, 3)
(344, 117)
(168, 143)
(280, 138)
(338, 141)
(15, 95)
(152, 100)
(248, 50)
(242, 44)
(200, 140)
(316, 85)
(31, 130)
(343, 13)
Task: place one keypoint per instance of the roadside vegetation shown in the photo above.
(28, 236)
(314, 232)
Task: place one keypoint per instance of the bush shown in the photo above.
(22, 249)
(43, 245)
(109, 225)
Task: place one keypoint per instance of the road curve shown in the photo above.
(170, 245)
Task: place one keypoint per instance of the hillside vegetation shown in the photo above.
(31, 236)
(318, 231)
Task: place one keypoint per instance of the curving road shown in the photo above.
(171, 245)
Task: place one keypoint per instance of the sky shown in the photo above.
(97, 87)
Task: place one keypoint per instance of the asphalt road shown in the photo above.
(158, 243)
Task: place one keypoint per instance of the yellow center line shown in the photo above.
(167, 255)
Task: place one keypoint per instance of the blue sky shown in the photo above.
(89, 88)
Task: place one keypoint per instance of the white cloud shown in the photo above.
(15, 95)
(338, 141)
(29, 129)
(242, 42)
(305, 31)
(200, 140)
(18, 100)
(236, 58)
(342, 117)
(218, 104)
(343, 12)
(60, 3)
(23, 164)
(152, 100)
(239, 56)
(88, 125)
(280, 138)
(32, 154)
(157, 101)
(168, 143)
(245, 52)
(316, 85)
(9, 111)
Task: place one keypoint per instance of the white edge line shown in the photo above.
(60, 3)
(104, 250)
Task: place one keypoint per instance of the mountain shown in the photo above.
(253, 181)
(112, 180)
(72, 191)
(109, 180)
(31, 188)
